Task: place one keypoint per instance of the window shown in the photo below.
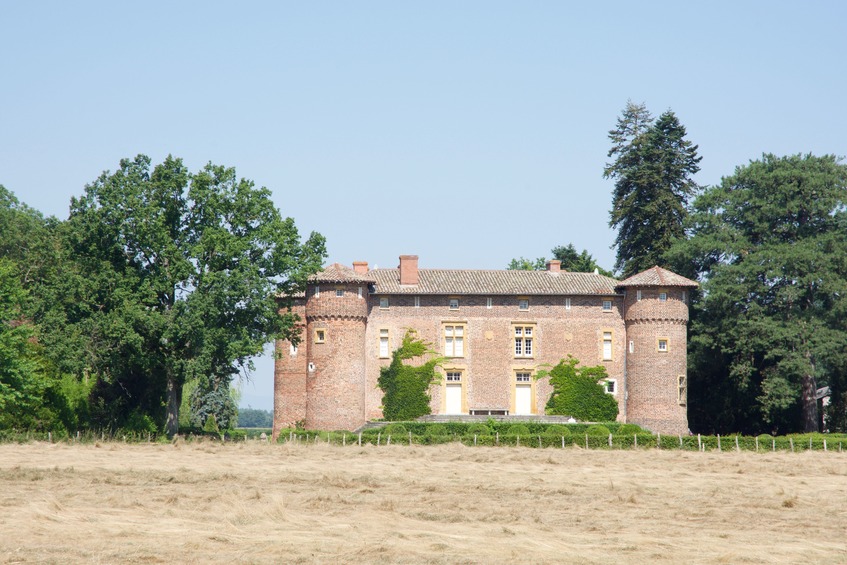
(524, 341)
(567, 303)
(683, 392)
(611, 386)
(454, 340)
(522, 377)
(638, 295)
(320, 336)
(454, 304)
(488, 302)
(684, 296)
(607, 306)
(454, 376)
(360, 292)
(317, 291)
(523, 303)
(293, 350)
(607, 346)
(383, 303)
(417, 302)
(384, 348)
(339, 292)
(662, 344)
(631, 346)
(663, 297)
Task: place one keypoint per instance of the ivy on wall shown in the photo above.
(577, 392)
(405, 386)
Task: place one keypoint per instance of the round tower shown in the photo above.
(336, 321)
(656, 318)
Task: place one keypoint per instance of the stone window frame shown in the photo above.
(613, 390)
(533, 339)
(320, 335)
(387, 336)
(462, 370)
(660, 341)
(454, 324)
(611, 341)
(523, 370)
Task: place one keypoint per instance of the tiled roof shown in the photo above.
(446, 281)
(657, 276)
(340, 273)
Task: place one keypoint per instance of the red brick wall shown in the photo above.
(290, 377)
(652, 375)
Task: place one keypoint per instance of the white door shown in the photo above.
(523, 399)
(454, 399)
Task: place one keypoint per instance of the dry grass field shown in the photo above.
(260, 503)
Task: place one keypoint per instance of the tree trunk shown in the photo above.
(172, 424)
(810, 404)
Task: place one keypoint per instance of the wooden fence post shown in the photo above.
(410, 438)
(360, 439)
(737, 448)
(378, 436)
(388, 441)
(757, 444)
(719, 442)
(791, 441)
(610, 440)
(699, 443)
(659, 440)
(344, 440)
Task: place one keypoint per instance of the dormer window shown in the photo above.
(454, 303)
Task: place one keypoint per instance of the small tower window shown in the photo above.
(317, 290)
(320, 336)
(339, 292)
(663, 297)
(663, 345)
(638, 295)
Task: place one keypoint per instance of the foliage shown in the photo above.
(652, 169)
(597, 430)
(405, 387)
(770, 246)
(518, 430)
(572, 261)
(169, 277)
(479, 429)
(557, 430)
(629, 429)
(396, 430)
(576, 392)
(211, 425)
(254, 418)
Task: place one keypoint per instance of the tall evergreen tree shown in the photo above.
(770, 246)
(652, 169)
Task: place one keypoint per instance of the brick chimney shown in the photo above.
(409, 270)
(361, 267)
(554, 265)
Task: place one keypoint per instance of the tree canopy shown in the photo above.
(653, 164)
(570, 258)
(770, 246)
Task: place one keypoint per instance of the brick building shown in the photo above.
(496, 328)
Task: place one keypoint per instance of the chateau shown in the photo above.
(495, 329)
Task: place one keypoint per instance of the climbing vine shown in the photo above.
(405, 386)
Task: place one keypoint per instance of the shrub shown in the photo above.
(479, 429)
(557, 430)
(518, 430)
(765, 437)
(629, 429)
(436, 430)
(395, 430)
(597, 430)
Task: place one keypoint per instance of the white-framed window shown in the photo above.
(567, 303)
(384, 345)
(607, 306)
(683, 390)
(489, 302)
(524, 340)
(317, 290)
(523, 377)
(383, 303)
(453, 376)
(360, 292)
(320, 335)
(638, 295)
(292, 349)
(417, 302)
(607, 346)
(454, 303)
(631, 346)
(454, 340)
(663, 297)
(523, 303)
(662, 345)
(339, 292)
(611, 386)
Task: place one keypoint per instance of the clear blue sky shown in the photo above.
(467, 133)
